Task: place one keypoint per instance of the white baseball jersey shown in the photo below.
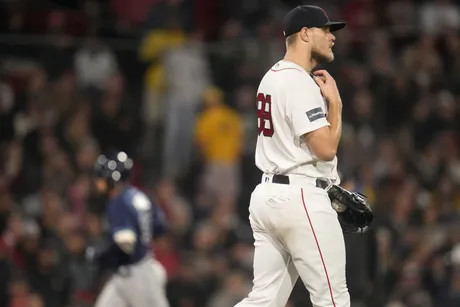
(289, 105)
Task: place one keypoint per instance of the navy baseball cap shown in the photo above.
(308, 16)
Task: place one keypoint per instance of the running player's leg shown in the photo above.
(160, 275)
(317, 247)
(146, 285)
(111, 296)
(274, 272)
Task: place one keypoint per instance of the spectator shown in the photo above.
(219, 136)
(188, 76)
(155, 43)
(439, 15)
(95, 64)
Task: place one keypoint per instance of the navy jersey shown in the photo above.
(133, 210)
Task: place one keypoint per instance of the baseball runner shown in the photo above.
(296, 229)
(139, 280)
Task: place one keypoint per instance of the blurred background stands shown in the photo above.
(173, 82)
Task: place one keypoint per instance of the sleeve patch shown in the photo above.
(315, 114)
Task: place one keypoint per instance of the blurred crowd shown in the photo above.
(173, 84)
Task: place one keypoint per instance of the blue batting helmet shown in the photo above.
(115, 167)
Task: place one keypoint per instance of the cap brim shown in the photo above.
(335, 25)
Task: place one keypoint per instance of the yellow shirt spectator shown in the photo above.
(219, 131)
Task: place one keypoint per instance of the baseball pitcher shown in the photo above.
(139, 280)
(297, 211)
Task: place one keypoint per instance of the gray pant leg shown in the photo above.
(146, 285)
(111, 296)
(179, 134)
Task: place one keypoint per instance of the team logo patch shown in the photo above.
(315, 114)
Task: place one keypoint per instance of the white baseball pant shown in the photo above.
(144, 286)
(296, 233)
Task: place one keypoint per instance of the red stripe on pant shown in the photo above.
(319, 249)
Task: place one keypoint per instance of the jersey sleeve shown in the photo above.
(120, 217)
(305, 107)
